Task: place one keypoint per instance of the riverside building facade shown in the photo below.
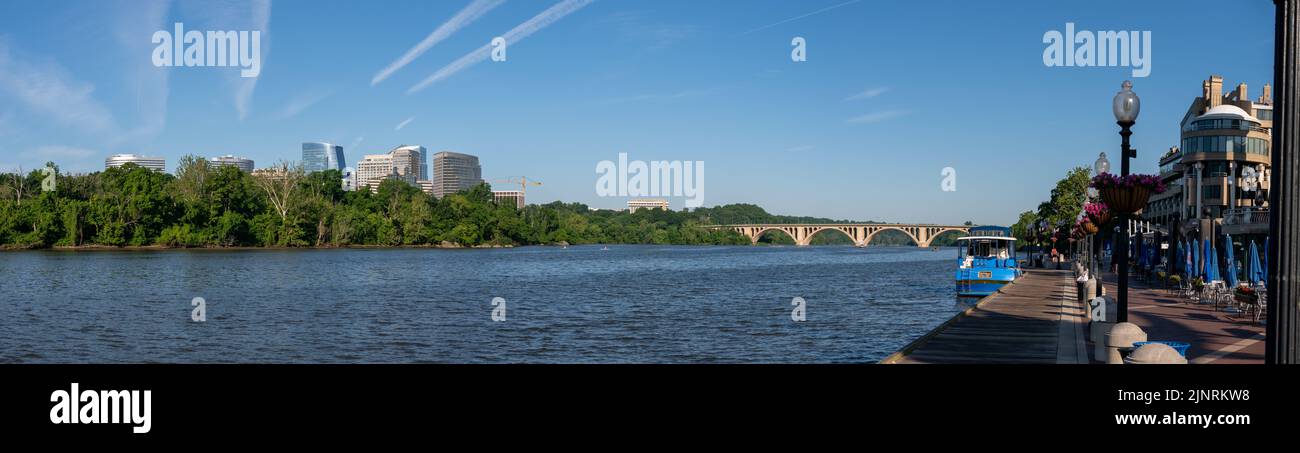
(1218, 176)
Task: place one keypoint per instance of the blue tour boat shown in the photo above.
(986, 260)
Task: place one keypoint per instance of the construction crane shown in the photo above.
(522, 181)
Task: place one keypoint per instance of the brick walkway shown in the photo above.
(1217, 337)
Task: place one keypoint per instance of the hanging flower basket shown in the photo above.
(1099, 213)
(1127, 194)
(1089, 227)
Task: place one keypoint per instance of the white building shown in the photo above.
(646, 203)
(509, 197)
(157, 164)
(243, 164)
(373, 169)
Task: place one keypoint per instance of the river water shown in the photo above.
(627, 304)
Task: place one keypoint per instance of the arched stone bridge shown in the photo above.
(860, 233)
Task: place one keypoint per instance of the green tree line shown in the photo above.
(220, 206)
(212, 206)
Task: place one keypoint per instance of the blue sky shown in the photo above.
(890, 94)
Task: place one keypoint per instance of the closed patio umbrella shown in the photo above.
(1230, 268)
(1196, 258)
(1181, 264)
(1254, 272)
(1210, 262)
(1142, 253)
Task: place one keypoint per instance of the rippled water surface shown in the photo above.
(635, 304)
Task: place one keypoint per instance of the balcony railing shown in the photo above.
(1246, 216)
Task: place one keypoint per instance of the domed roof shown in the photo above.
(1227, 111)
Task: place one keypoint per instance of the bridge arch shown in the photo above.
(758, 234)
(936, 234)
(901, 229)
(848, 232)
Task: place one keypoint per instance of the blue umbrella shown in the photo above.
(1140, 255)
(1231, 266)
(1181, 253)
(1254, 272)
(1210, 262)
(1196, 257)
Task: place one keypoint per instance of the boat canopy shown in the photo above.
(986, 238)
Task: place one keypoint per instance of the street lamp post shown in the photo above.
(1125, 106)
(1282, 337)
(1101, 165)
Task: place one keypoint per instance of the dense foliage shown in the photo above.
(207, 206)
(1060, 210)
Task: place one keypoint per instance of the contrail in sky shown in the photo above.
(792, 19)
(466, 16)
(512, 37)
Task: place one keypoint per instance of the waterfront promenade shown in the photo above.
(1038, 320)
(1034, 320)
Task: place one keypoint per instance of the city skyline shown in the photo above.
(824, 137)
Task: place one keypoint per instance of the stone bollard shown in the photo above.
(1090, 291)
(1122, 336)
(1155, 354)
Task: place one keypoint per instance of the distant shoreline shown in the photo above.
(140, 248)
(93, 248)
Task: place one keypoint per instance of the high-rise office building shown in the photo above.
(373, 169)
(454, 172)
(243, 164)
(402, 163)
(157, 164)
(408, 162)
(320, 156)
(421, 164)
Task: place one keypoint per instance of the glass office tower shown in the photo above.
(320, 156)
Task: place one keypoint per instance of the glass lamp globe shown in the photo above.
(1102, 165)
(1126, 104)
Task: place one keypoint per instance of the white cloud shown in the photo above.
(134, 22)
(301, 103)
(46, 94)
(404, 123)
(466, 16)
(876, 117)
(261, 18)
(871, 93)
(47, 89)
(512, 37)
